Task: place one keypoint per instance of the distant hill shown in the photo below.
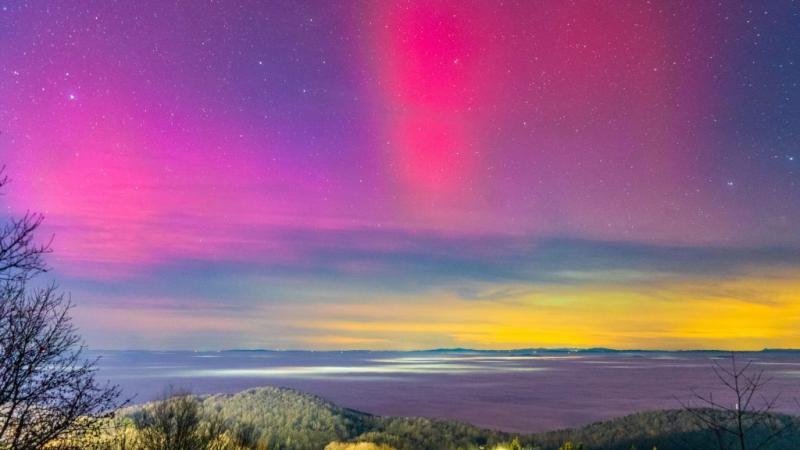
(527, 351)
(666, 430)
(279, 418)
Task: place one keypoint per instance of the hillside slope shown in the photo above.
(278, 418)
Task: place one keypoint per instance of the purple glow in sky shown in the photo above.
(411, 174)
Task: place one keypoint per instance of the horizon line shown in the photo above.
(457, 349)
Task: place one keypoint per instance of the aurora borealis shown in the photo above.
(412, 174)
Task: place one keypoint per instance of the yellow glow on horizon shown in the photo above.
(760, 309)
(751, 312)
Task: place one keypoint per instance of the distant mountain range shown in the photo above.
(527, 351)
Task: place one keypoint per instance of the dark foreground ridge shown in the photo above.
(278, 418)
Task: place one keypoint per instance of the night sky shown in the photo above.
(411, 174)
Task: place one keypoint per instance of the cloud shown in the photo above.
(337, 264)
(416, 290)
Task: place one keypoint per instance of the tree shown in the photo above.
(170, 424)
(180, 422)
(48, 390)
(744, 419)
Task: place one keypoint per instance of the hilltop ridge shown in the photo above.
(287, 419)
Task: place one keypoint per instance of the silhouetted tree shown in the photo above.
(48, 390)
(171, 424)
(742, 420)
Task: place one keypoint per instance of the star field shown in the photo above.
(411, 174)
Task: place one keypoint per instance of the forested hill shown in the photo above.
(278, 418)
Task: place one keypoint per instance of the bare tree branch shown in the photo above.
(48, 389)
(746, 425)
